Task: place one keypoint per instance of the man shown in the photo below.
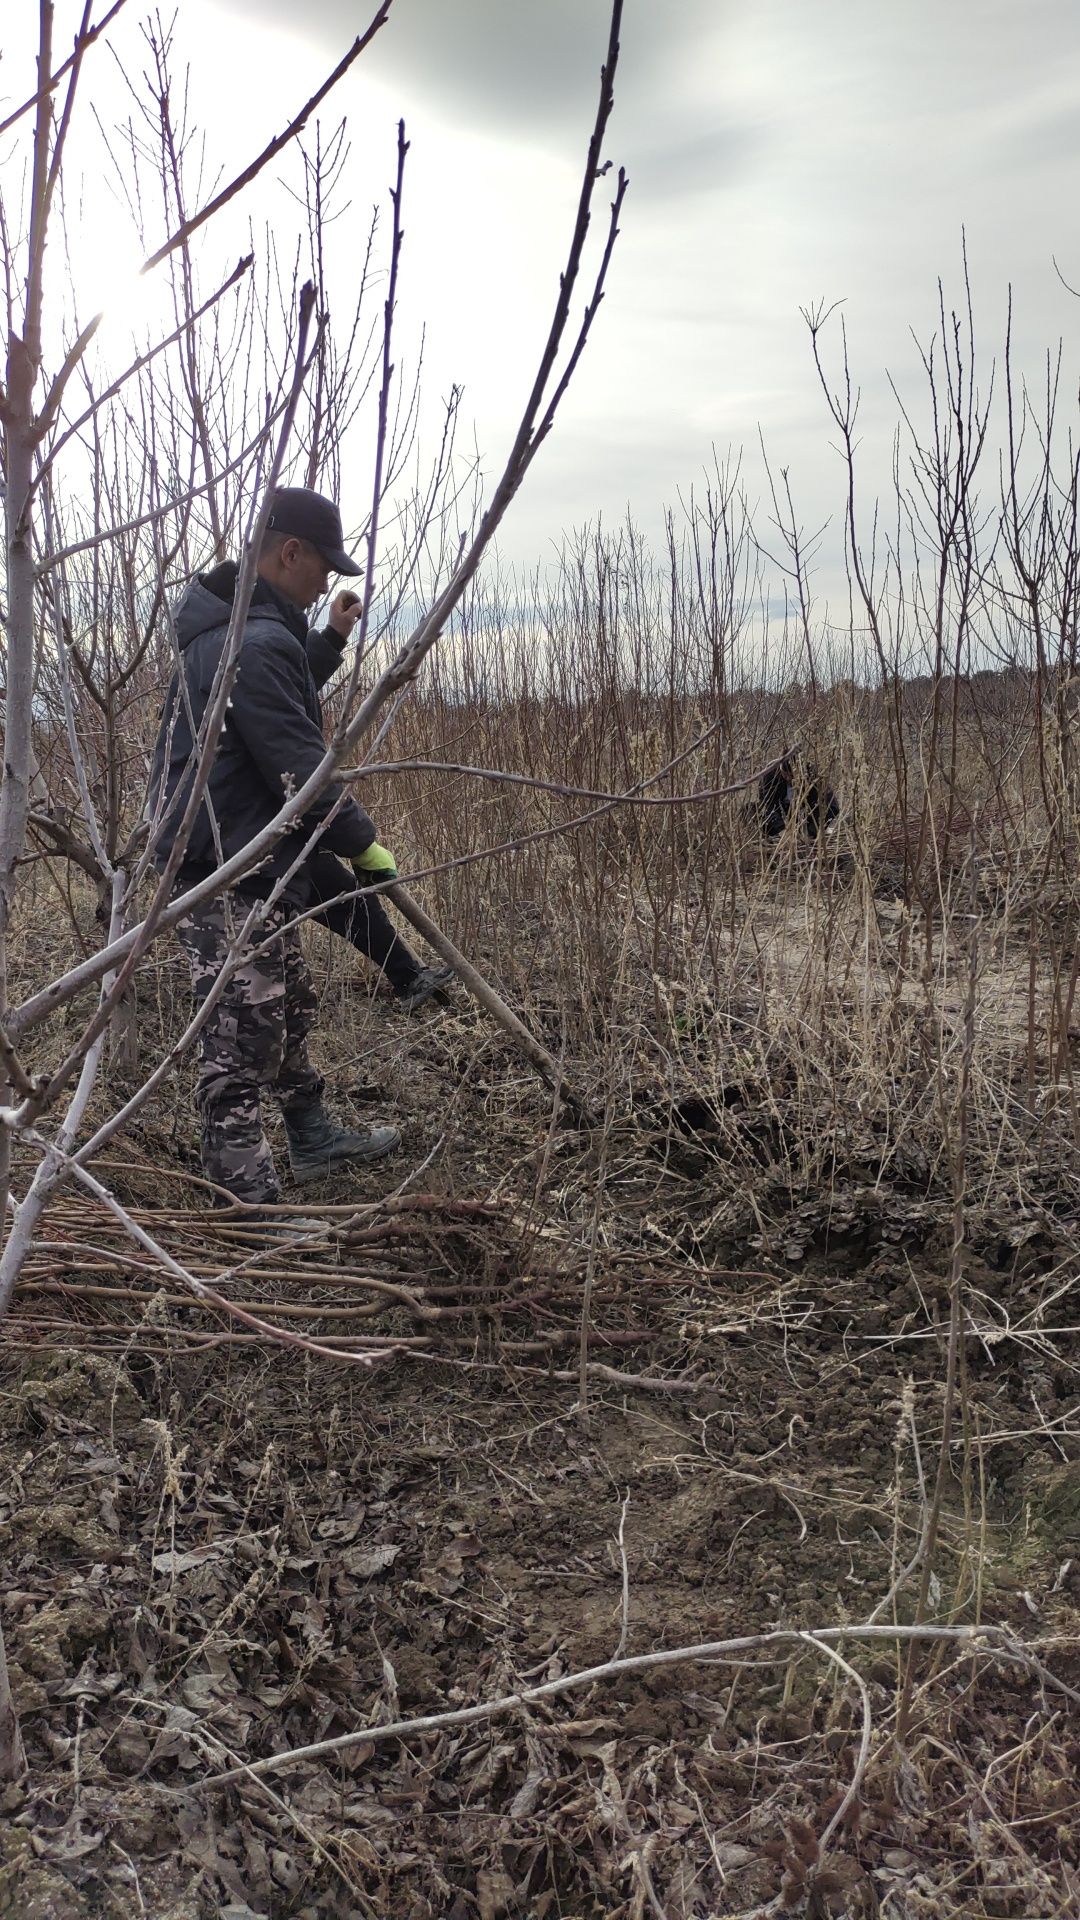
(787, 789)
(255, 1039)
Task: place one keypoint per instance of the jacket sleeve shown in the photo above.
(325, 652)
(268, 712)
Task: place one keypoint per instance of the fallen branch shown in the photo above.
(994, 1641)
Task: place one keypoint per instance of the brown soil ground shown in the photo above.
(218, 1552)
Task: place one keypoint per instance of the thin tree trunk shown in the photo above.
(492, 1002)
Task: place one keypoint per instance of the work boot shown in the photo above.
(424, 985)
(316, 1144)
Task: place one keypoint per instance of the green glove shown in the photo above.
(375, 863)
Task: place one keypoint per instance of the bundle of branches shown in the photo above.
(421, 1275)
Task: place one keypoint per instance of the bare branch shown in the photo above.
(237, 185)
(995, 1642)
(48, 412)
(86, 40)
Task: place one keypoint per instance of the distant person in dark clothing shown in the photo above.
(364, 922)
(787, 789)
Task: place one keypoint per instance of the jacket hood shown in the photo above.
(207, 603)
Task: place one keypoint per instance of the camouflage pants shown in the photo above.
(254, 1042)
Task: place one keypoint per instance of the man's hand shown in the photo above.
(344, 613)
(375, 863)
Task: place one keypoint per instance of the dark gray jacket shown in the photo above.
(271, 741)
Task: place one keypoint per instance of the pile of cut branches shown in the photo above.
(416, 1275)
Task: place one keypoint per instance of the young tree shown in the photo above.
(174, 456)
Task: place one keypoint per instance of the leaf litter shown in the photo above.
(218, 1552)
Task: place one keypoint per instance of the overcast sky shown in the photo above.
(779, 151)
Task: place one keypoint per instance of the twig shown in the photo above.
(187, 227)
(83, 41)
(243, 265)
(499, 776)
(958, 1169)
(850, 1796)
(919, 1555)
(992, 1640)
(624, 1613)
(590, 1271)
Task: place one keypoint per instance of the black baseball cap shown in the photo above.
(310, 516)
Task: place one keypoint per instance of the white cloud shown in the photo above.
(778, 153)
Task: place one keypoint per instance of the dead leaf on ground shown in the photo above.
(173, 1560)
(364, 1562)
